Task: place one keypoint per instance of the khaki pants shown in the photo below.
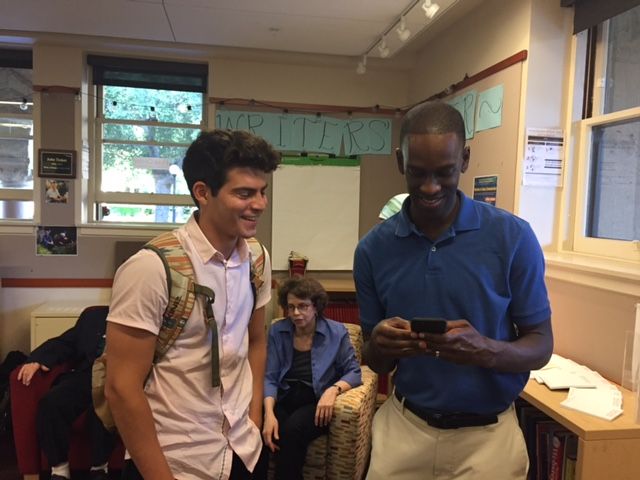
(405, 447)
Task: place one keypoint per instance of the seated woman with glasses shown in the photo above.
(310, 361)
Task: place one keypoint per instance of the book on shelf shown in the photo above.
(545, 431)
(570, 458)
(559, 454)
(528, 417)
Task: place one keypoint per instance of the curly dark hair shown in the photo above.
(215, 152)
(304, 288)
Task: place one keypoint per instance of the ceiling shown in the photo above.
(333, 27)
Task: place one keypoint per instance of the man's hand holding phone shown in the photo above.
(393, 338)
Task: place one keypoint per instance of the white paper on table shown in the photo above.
(604, 403)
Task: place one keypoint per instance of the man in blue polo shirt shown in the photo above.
(480, 268)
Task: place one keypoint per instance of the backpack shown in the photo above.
(183, 291)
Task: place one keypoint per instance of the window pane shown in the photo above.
(126, 103)
(16, 210)
(16, 158)
(615, 182)
(142, 169)
(16, 86)
(623, 62)
(111, 212)
(144, 133)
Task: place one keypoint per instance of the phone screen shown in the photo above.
(429, 325)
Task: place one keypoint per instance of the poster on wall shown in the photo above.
(466, 105)
(543, 160)
(485, 189)
(52, 240)
(489, 111)
(56, 191)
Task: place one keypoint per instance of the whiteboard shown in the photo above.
(315, 213)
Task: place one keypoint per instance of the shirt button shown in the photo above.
(433, 249)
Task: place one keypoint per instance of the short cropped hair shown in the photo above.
(432, 117)
(304, 288)
(215, 152)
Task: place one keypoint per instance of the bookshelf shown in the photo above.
(606, 450)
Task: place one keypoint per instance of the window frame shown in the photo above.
(21, 59)
(625, 250)
(95, 195)
(620, 249)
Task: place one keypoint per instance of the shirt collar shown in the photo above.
(322, 326)
(467, 218)
(206, 251)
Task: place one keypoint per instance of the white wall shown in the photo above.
(492, 32)
(323, 84)
(544, 104)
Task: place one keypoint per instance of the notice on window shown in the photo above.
(543, 160)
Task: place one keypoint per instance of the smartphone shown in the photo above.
(429, 325)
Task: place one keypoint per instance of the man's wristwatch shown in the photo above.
(338, 387)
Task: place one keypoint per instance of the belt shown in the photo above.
(447, 420)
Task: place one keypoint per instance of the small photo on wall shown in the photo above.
(57, 191)
(56, 241)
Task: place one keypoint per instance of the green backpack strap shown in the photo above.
(182, 295)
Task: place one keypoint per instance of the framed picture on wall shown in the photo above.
(56, 163)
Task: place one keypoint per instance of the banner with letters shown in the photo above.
(292, 132)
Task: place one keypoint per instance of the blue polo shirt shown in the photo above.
(487, 268)
(332, 357)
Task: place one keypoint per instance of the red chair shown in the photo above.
(24, 405)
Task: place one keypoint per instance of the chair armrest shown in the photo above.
(24, 407)
(350, 429)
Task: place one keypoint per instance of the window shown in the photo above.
(608, 208)
(147, 115)
(16, 136)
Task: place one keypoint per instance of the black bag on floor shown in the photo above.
(11, 361)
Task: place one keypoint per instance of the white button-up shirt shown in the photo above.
(199, 427)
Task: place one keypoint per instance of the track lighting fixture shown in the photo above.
(383, 49)
(361, 69)
(430, 8)
(403, 32)
(23, 105)
(385, 45)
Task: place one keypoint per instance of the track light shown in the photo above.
(383, 48)
(361, 69)
(430, 8)
(23, 105)
(403, 32)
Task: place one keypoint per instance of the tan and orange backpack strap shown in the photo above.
(256, 250)
(181, 287)
(183, 291)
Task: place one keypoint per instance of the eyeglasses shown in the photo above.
(302, 307)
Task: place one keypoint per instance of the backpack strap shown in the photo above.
(183, 291)
(182, 295)
(256, 251)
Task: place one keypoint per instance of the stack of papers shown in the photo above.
(562, 373)
(589, 392)
(601, 402)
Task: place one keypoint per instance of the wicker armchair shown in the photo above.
(343, 454)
